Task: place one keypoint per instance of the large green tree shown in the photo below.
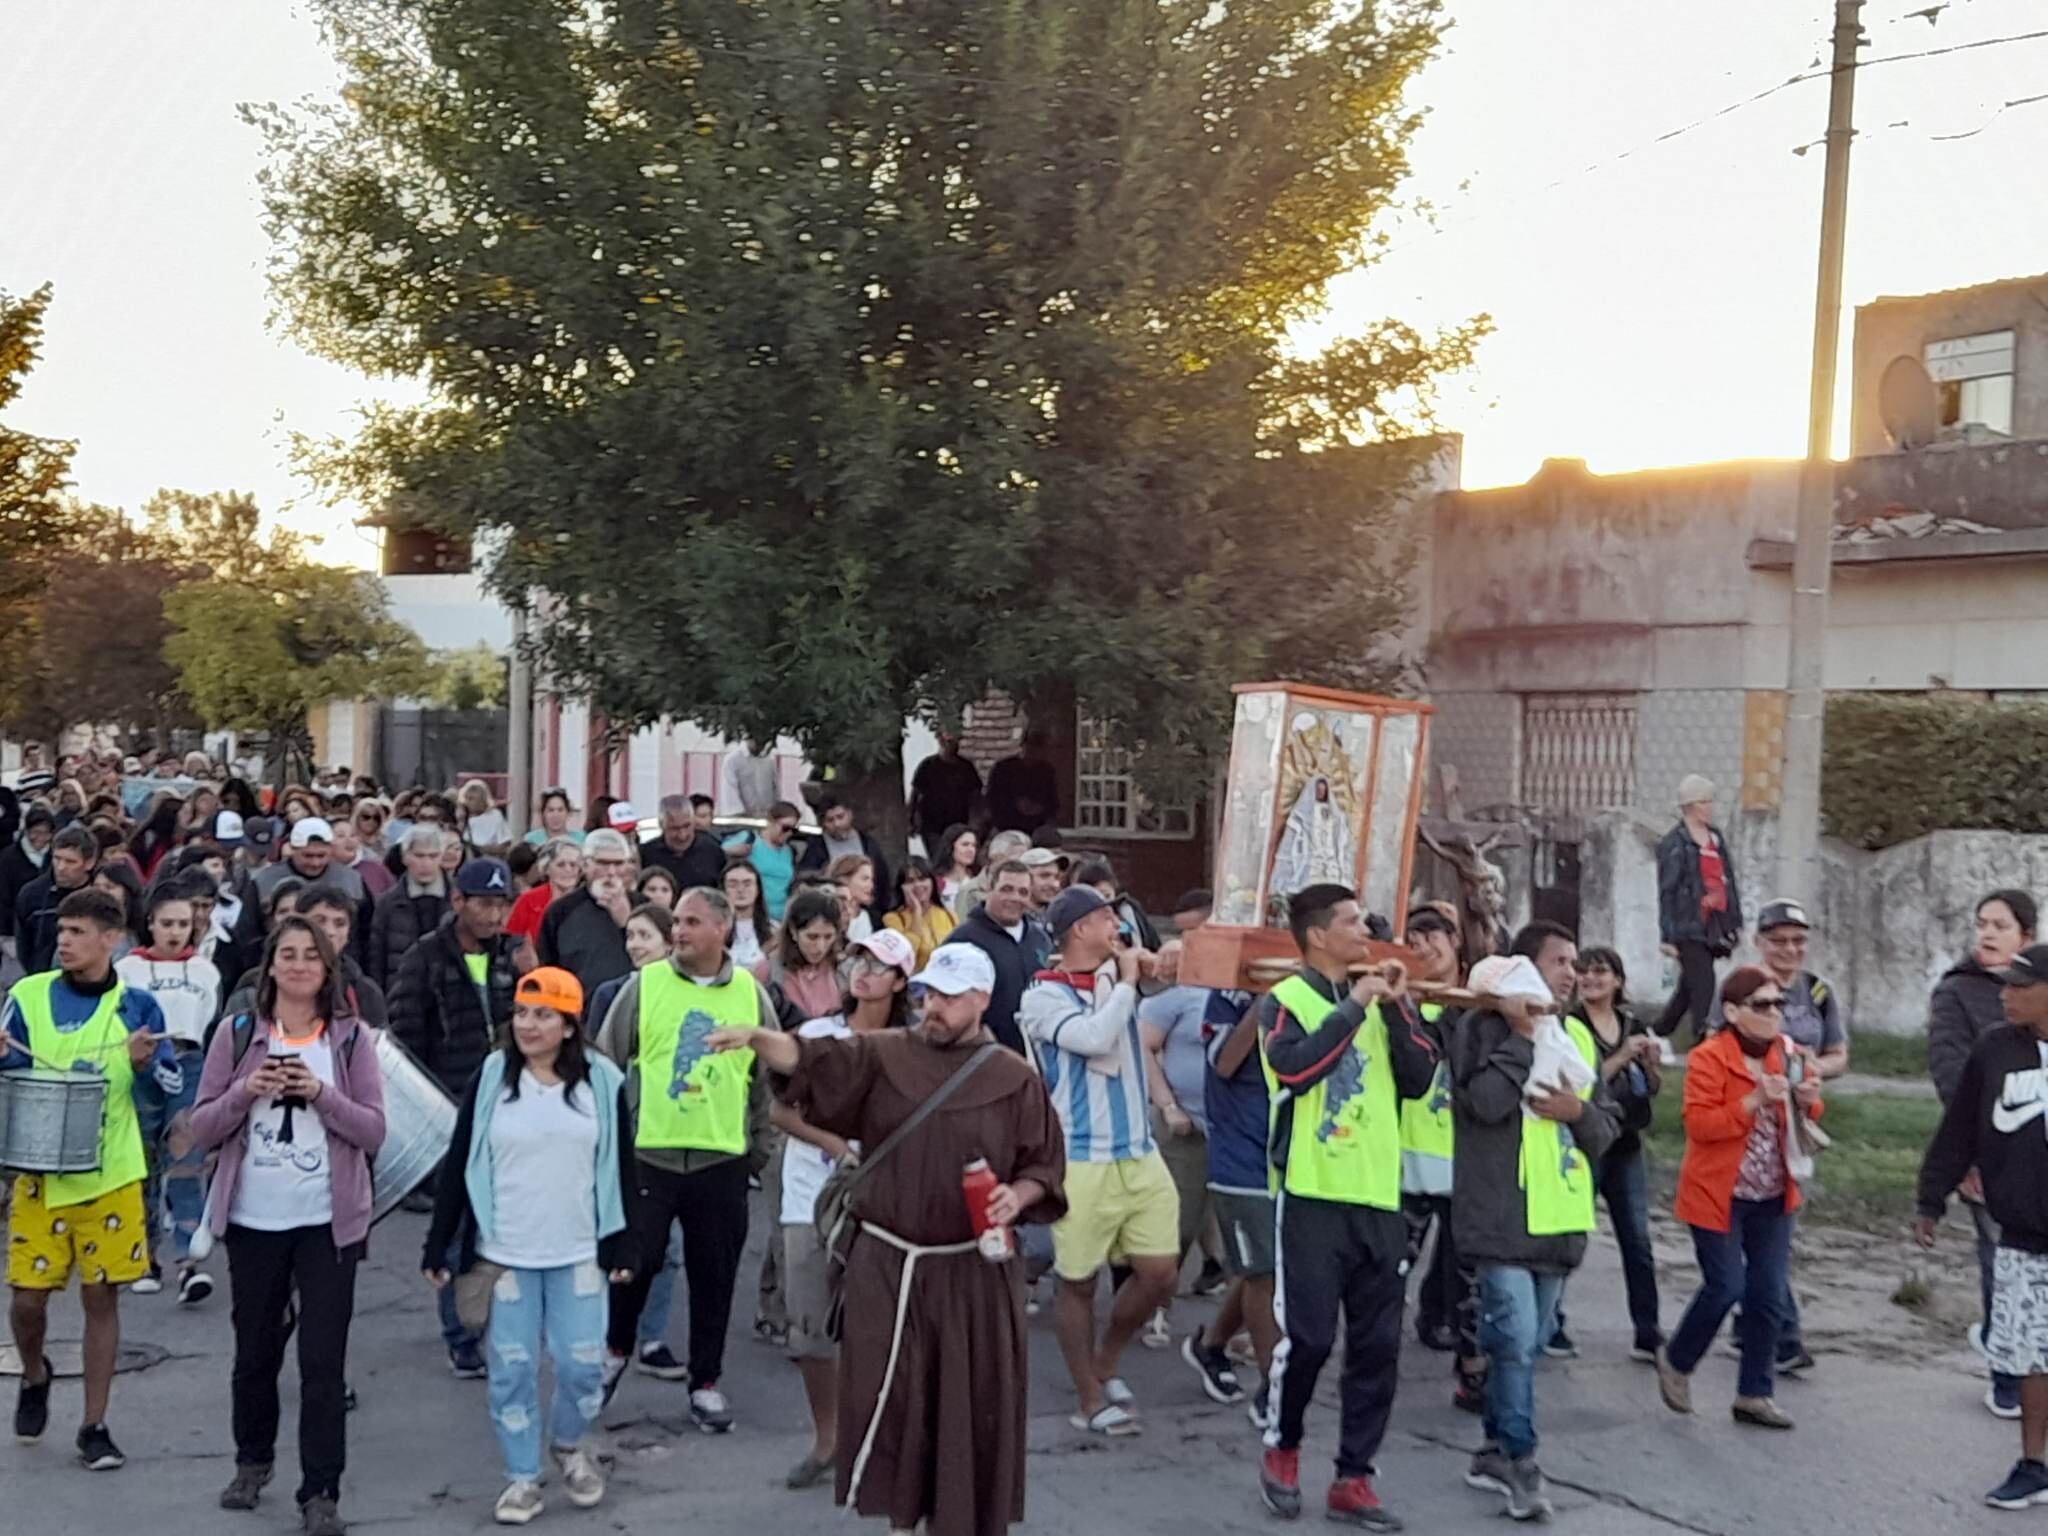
(829, 361)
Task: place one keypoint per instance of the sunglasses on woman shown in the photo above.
(1765, 1005)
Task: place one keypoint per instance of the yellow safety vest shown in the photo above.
(1346, 1141)
(1556, 1177)
(691, 1097)
(1426, 1134)
(98, 1046)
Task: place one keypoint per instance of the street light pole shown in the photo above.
(1799, 803)
(519, 786)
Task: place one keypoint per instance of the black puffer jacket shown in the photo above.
(1964, 1006)
(400, 921)
(437, 1012)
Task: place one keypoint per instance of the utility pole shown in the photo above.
(519, 785)
(1799, 802)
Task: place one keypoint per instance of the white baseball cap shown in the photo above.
(957, 968)
(309, 829)
(891, 948)
(622, 817)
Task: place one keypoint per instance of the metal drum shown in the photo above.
(419, 1123)
(50, 1121)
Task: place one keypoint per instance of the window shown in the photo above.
(1578, 751)
(1973, 377)
(1107, 802)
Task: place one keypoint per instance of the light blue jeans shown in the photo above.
(1517, 1313)
(174, 1191)
(661, 1293)
(567, 1308)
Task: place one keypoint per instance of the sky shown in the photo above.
(1652, 301)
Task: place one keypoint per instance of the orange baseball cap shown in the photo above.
(549, 986)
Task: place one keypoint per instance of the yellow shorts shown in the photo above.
(105, 1240)
(1122, 1210)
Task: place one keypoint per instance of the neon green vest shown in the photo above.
(1556, 1177)
(689, 1096)
(1426, 1131)
(1346, 1141)
(100, 1045)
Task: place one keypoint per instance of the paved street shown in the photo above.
(1891, 1435)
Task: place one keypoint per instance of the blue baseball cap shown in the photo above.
(485, 877)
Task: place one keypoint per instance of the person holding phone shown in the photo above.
(294, 1101)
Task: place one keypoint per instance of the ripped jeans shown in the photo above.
(566, 1307)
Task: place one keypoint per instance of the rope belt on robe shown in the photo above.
(912, 1252)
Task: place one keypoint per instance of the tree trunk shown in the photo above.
(879, 808)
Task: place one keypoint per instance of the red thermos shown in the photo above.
(977, 1183)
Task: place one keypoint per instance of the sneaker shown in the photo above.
(322, 1517)
(150, 1284)
(1158, 1332)
(518, 1504)
(1280, 1482)
(194, 1286)
(97, 1451)
(1261, 1410)
(1469, 1395)
(659, 1361)
(1760, 1413)
(32, 1407)
(708, 1407)
(1796, 1364)
(467, 1362)
(1490, 1469)
(2005, 1403)
(1644, 1351)
(1528, 1494)
(582, 1479)
(1561, 1346)
(2026, 1483)
(1673, 1385)
(1353, 1502)
(248, 1485)
(614, 1373)
(1213, 1366)
(1212, 1281)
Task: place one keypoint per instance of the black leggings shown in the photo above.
(1695, 991)
(264, 1268)
(711, 1205)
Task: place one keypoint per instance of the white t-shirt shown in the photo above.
(285, 1184)
(542, 1149)
(188, 991)
(862, 927)
(488, 829)
(805, 1167)
(746, 946)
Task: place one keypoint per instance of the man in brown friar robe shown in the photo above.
(933, 1371)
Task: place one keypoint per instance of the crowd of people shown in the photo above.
(655, 1036)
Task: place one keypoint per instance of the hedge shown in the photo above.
(1897, 767)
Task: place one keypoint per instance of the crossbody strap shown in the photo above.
(922, 1113)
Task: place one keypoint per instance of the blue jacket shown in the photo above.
(465, 1204)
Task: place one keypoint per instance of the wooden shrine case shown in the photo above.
(1324, 786)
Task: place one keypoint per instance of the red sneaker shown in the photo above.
(1280, 1483)
(1353, 1502)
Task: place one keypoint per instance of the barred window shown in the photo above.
(1578, 751)
(1107, 802)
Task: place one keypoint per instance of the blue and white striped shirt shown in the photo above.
(1084, 1031)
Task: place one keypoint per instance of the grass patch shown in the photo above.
(1864, 1180)
(1889, 1055)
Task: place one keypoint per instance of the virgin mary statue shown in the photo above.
(1315, 846)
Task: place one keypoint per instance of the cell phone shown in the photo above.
(1126, 934)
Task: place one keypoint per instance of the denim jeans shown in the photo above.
(453, 1334)
(1517, 1313)
(661, 1294)
(174, 1191)
(1747, 1263)
(566, 1308)
(1624, 1184)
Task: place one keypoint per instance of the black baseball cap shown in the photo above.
(2029, 968)
(1781, 914)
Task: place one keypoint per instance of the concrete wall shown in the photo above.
(1892, 328)
(1887, 924)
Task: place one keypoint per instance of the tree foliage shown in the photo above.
(830, 361)
(260, 656)
(471, 677)
(1897, 768)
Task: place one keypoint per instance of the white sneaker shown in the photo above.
(194, 1286)
(518, 1504)
(1158, 1332)
(711, 1411)
(581, 1476)
(150, 1284)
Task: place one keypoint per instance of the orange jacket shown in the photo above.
(1717, 1079)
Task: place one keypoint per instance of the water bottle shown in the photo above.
(977, 1183)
